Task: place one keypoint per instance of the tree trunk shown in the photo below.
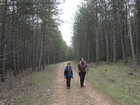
(96, 39)
(88, 54)
(41, 49)
(130, 31)
(106, 34)
(3, 44)
(138, 32)
(44, 52)
(14, 39)
(114, 32)
(122, 44)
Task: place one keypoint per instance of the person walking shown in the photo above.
(68, 74)
(82, 71)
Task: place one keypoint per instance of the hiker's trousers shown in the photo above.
(68, 81)
(82, 77)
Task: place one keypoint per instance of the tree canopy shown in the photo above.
(107, 30)
(29, 35)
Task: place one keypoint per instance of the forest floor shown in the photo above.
(49, 88)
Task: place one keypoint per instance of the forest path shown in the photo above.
(76, 95)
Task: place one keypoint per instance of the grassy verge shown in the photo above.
(40, 90)
(114, 81)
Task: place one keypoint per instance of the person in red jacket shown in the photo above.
(82, 71)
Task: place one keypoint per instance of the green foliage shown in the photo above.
(58, 45)
(101, 30)
(30, 28)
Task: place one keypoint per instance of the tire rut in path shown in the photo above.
(87, 95)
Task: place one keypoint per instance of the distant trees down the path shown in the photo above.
(107, 30)
(29, 35)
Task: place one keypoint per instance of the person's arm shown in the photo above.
(65, 73)
(78, 67)
(86, 67)
(72, 73)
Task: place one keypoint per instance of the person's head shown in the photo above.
(68, 64)
(82, 59)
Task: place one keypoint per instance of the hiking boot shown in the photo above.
(68, 87)
(82, 86)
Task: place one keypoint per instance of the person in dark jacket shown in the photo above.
(82, 71)
(68, 74)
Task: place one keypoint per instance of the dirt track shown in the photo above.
(76, 95)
